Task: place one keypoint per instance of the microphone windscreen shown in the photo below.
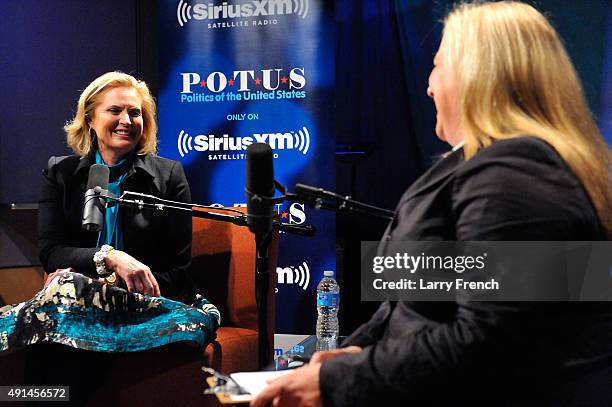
(98, 176)
(259, 169)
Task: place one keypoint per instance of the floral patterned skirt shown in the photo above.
(83, 313)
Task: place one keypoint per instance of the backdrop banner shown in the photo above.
(237, 72)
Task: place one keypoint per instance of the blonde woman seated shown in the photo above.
(125, 288)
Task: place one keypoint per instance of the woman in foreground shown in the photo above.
(528, 164)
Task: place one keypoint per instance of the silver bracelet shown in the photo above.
(99, 259)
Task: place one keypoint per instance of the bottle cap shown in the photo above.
(328, 273)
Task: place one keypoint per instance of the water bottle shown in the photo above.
(328, 302)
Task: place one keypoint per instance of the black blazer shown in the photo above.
(162, 241)
(472, 353)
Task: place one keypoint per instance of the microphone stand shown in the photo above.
(262, 275)
(319, 198)
(239, 220)
(262, 281)
(262, 241)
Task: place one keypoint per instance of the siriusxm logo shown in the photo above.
(226, 10)
(293, 140)
(299, 275)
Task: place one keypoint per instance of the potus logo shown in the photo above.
(292, 140)
(246, 80)
(299, 275)
(253, 9)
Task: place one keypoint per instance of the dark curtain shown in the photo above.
(385, 121)
(382, 108)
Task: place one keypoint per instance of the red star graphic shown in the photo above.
(203, 84)
(284, 215)
(257, 81)
(284, 80)
(231, 82)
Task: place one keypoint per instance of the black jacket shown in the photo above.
(473, 353)
(162, 241)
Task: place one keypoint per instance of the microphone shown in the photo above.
(307, 191)
(320, 198)
(93, 207)
(259, 188)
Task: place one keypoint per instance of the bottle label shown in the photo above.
(328, 299)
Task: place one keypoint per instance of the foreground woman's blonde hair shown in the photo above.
(78, 134)
(514, 79)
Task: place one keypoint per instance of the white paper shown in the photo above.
(254, 382)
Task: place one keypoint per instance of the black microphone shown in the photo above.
(259, 188)
(307, 191)
(93, 207)
(320, 198)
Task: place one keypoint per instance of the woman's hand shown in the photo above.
(297, 389)
(136, 275)
(301, 387)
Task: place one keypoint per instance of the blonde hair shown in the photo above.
(515, 79)
(78, 134)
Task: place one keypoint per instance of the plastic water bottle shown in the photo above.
(328, 302)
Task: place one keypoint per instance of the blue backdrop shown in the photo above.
(236, 74)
